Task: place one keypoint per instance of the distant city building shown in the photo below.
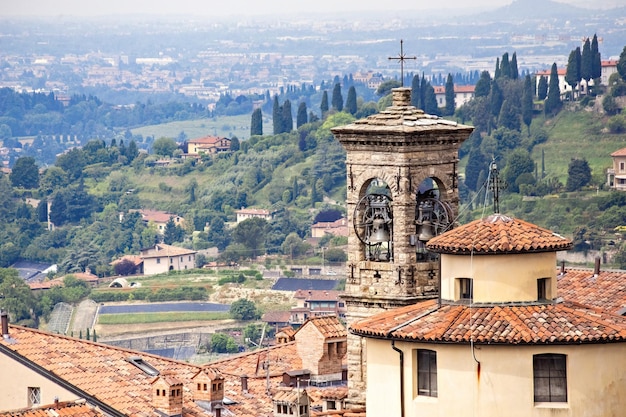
(208, 145)
(462, 94)
(616, 176)
(162, 258)
(250, 213)
(337, 228)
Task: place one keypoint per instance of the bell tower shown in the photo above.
(401, 191)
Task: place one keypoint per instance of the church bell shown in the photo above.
(380, 231)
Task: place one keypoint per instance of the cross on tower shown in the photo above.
(402, 57)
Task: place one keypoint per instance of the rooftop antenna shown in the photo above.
(402, 57)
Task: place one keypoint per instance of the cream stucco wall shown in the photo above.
(596, 381)
(499, 278)
(178, 263)
(15, 379)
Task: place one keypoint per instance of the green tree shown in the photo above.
(621, 64)
(505, 66)
(586, 62)
(337, 99)
(449, 93)
(234, 144)
(415, 91)
(596, 63)
(572, 74)
(430, 101)
(517, 163)
(286, 118)
(277, 114)
(173, 232)
(553, 101)
(223, 343)
(386, 87)
(252, 334)
(509, 116)
(164, 146)
(25, 173)
(251, 233)
(351, 106)
(17, 298)
(256, 123)
(52, 179)
(542, 88)
(294, 246)
(324, 104)
(578, 174)
(301, 116)
(514, 69)
(483, 86)
(131, 151)
(527, 103)
(244, 309)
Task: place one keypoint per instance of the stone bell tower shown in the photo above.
(402, 190)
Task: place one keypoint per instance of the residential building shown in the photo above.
(66, 372)
(162, 258)
(337, 228)
(159, 218)
(250, 213)
(462, 94)
(500, 340)
(410, 158)
(208, 145)
(316, 303)
(564, 87)
(609, 68)
(616, 176)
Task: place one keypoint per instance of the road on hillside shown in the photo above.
(162, 308)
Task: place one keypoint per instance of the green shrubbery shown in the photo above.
(145, 294)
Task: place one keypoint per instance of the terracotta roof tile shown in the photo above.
(161, 249)
(498, 234)
(564, 322)
(329, 326)
(606, 291)
(63, 409)
(317, 295)
(619, 152)
(276, 316)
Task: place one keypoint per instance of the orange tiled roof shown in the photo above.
(606, 291)
(329, 326)
(276, 316)
(563, 323)
(161, 249)
(207, 140)
(498, 234)
(63, 409)
(619, 152)
(100, 371)
(157, 216)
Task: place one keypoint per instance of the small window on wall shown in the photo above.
(542, 289)
(465, 289)
(427, 372)
(34, 396)
(550, 378)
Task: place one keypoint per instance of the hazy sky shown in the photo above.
(213, 7)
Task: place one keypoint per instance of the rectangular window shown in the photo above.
(158, 260)
(550, 378)
(621, 166)
(542, 288)
(466, 288)
(34, 396)
(427, 372)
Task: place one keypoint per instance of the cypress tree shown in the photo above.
(337, 99)
(287, 117)
(430, 100)
(542, 88)
(449, 92)
(596, 63)
(351, 101)
(302, 141)
(483, 85)
(415, 91)
(497, 71)
(277, 113)
(256, 122)
(509, 116)
(527, 103)
(586, 62)
(301, 116)
(505, 66)
(514, 70)
(553, 101)
(294, 188)
(572, 74)
(423, 86)
(496, 98)
(324, 104)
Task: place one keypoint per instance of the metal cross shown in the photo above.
(402, 57)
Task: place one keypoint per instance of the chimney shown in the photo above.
(4, 317)
(218, 411)
(596, 269)
(401, 97)
(244, 383)
(562, 267)
(167, 395)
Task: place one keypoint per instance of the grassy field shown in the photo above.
(139, 318)
(226, 126)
